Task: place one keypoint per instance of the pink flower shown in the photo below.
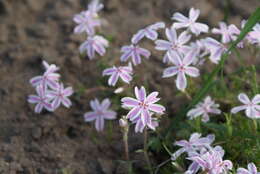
(48, 79)
(124, 72)
(182, 67)
(94, 7)
(251, 107)
(251, 169)
(60, 96)
(194, 145)
(190, 23)
(142, 107)
(150, 32)
(94, 44)
(175, 43)
(86, 23)
(135, 52)
(41, 99)
(100, 113)
(228, 33)
(204, 108)
(212, 162)
(215, 48)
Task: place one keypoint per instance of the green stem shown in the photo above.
(255, 126)
(146, 156)
(197, 124)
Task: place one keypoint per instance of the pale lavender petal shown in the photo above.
(136, 58)
(110, 115)
(151, 34)
(99, 124)
(194, 14)
(171, 34)
(126, 56)
(36, 80)
(66, 102)
(243, 98)
(38, 108)
(68, 91)
(129, 102)
(179, 17)
(138, 36)
(56, 103)
(125, 77)
(33, 99)
(139, 127)
(171, 71)
(144, 52)
(105, 104)
(109, 71)
(181, 81)
(184, 38)
(146, 117)
(141, 94)
(256, 99)
(238, 109)
(113, 79)
(156, 108)
(90, 116)
(192, 71)
(135, 112)
(162, 45)
(174, 58)
(152, 98)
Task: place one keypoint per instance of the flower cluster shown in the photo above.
(203, 155)
(50, 91)
(87, 22)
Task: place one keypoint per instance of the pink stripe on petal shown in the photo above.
(181, 81)
(34, 99)
(192, 71)
(36, 80)
(130, 102)
(110, 115)
(99, 124)
(66, 102)
(156, 108)
(56, 103)
(146, 117)
(125, 77)
(139, 127)
(152, 98)
(113, 79)
(90, 116)
(38, 108)
(135, 112)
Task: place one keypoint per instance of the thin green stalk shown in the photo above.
(146, 156)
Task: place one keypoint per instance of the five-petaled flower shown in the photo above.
(60, 96)
(86, 23)
(190, 23)
(41, 99)
(182, 67)
(228, 33)
(204, 108)
(124, 72)
(149, 32)
(48, 79)
(251, 107)
(135, 52)
(175, 44)
(251, 169)
(100, 112)
(94, 44)
(142, 107)
(195, 144)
